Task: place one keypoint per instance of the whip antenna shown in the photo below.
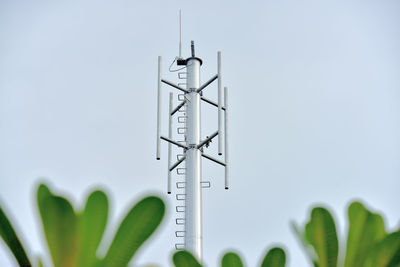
(180, 33)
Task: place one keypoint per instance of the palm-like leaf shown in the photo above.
(60, 225)
(321, 234)
(11, 239)
(275, 257)
(365, 230)
(73, 238)
(93, 222)
(368, 245)
(140, 222)
(231, 259)
(184, 258)
(308, 248)
(386, 253)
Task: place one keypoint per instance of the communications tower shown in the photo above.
(192, 142)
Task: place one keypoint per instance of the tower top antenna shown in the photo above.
(192, 48)
(180, 33)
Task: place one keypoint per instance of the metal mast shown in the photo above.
(193, 222)
(193, 146)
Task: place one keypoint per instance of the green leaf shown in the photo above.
(308, 248)
(40, 262)
(275, 257)
(93, 222)
(386, 253)
(141, 221)
(60, 225)
(231, 259)
(11, 239)
(184, 258)
(320, 232)
(365, 230)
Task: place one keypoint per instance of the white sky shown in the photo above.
(314, 98)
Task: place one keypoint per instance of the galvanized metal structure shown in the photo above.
(193, 145)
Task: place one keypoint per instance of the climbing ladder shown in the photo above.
(181, 171)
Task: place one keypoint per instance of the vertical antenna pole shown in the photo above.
(219, 106)
(226, 139)
(192, 48)
(171, 95)
(159, 108)
(180, 34)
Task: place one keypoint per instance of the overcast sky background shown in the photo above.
(314, 98)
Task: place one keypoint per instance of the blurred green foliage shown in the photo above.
(275, 257)
(73, 237)
(11, 239)
(368, 243)
(184, 258)
(231, 259)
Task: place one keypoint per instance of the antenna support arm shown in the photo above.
(207, 83)
(174, 85)
(178, 107)
(205, 141)
(177, 164)
(173, 142)
(213, 159)
(211, 102)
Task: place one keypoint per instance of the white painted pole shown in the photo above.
(219, 105)
(159, 109)
(226, 138)
(193, 210)
(171, 96)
